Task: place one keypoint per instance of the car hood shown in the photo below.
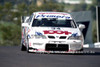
(55, 31)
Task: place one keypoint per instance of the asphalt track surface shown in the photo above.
(13, 57)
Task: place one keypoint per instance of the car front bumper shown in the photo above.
(56, 46)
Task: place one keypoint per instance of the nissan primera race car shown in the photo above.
(51, 32)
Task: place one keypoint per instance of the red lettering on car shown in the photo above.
(56, 32)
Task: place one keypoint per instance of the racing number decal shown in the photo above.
(56, 32)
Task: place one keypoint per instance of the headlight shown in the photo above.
(75, 38)
(36, 36)
(40, 37)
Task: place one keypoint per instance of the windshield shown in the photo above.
(52, 22)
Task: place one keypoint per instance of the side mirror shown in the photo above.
(81, 26)
(25, 25)
(22, 19)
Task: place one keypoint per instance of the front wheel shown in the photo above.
(27, 45)
(81, 49)
(23, 48)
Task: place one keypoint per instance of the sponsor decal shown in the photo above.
(29, 36)
(75, 34)
(56, 32)
(52, 16)
(54, 13)
(38, 33)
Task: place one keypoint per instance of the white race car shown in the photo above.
(51, 32)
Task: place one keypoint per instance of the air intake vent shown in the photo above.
(62, 37)
(56, 47)
(51, 37)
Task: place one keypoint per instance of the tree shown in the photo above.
(7, 11)
(22, 8)
(10, 34)
(1, 12)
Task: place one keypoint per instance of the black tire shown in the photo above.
(81, 49)
(28, 49)
(23, 48)
(27, 45)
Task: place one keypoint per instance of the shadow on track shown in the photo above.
(90, 54)
(85, 54)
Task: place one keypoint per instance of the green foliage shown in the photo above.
(22, 8)
(83, 7)
(1, 11)
(50, 6)
(94, 30)
(10, 34)
(32, 8)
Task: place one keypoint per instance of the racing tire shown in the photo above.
(23, 48)
(81, 49)
(28, 49)
(27, 46)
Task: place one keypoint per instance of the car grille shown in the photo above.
(51, 37)
(57, 47)
(59, 37)
(62, 37)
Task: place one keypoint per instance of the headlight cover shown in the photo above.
(36, 36)
(40, 37)
(75, 38)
